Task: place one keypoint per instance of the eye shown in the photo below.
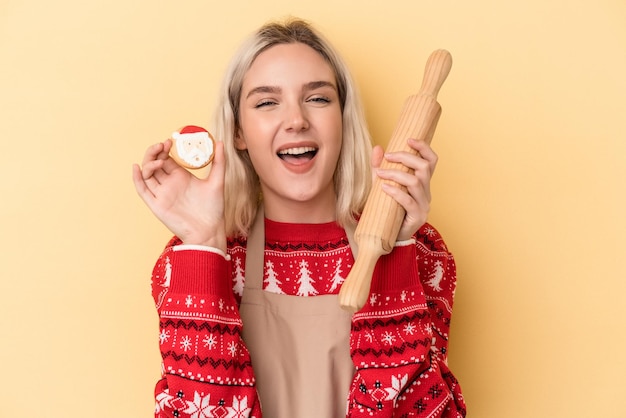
(264, 103)
(319, 99)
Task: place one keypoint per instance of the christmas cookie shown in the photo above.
(193, 147)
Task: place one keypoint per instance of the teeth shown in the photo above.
(296, 151)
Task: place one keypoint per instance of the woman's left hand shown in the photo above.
(415, 196)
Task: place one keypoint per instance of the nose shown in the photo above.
(296, 118)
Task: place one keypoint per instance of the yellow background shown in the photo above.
(529, 192)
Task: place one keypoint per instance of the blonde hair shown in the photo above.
(352, 178)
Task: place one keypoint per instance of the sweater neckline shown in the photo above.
(303, 232)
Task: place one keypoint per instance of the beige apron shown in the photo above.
(300, 346)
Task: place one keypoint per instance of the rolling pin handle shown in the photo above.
(437, 69)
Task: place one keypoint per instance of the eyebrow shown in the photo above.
(263, 89)
(313, 85)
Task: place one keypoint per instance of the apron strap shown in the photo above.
(255, 252)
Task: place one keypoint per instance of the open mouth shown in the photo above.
(297, 155)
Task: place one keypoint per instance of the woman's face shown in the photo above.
(291, 125)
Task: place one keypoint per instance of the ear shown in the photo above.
(240, 143)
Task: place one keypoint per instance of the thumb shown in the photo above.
(377, 159)
(218, 165)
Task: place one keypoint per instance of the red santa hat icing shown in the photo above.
(191, 132)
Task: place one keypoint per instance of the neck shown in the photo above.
(322, 210)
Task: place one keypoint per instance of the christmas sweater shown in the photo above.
(398, 341)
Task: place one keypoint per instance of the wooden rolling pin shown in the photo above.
(382, 216)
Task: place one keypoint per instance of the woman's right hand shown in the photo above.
(191, 208)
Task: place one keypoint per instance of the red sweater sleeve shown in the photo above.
(206, 367)
(399, 339)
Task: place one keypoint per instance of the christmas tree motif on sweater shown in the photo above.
(168, 272)
(272, 279)
(306, 281)
(337, 277)
(436, 276)
(239, 277)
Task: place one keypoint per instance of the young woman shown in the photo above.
(246, 291)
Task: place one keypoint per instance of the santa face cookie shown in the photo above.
(193, 147)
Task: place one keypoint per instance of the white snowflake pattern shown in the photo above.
(221, 304)
(369, 337)
(429, 231)
(388, 337)
(233, 348)
(409, 328)
(162, 401)
(397, 383)
(403, 296)
(373, 299)
(199, 407)
(188, 301)
(185, 343)
(164, 336)
(239, 409)
(210, 341)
